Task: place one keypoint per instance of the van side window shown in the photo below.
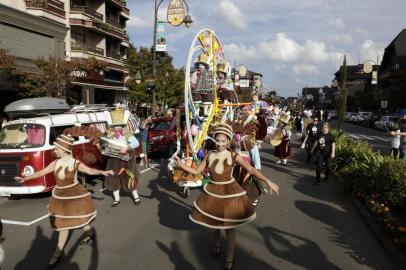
(55, 132)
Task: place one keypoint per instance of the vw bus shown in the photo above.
(26, 144)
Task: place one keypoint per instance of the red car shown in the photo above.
(160, 137)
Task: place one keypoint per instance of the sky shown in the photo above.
(293, 44)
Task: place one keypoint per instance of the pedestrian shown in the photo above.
(70, 206)
(298, 123)
(402, 133)
(325, 151)
(395, 141)
(313, 131)
(224, 205)
(144, 139)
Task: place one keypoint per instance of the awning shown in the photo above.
(117, 88)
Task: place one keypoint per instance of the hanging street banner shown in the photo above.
(160, 43)
(374, 77)
(176, 12)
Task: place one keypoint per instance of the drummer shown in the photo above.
(283, 150)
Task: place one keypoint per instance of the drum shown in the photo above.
(277, 138)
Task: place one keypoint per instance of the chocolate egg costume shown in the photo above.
(224, 205)
(71, 205)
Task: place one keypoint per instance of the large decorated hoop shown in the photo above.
(205, 50)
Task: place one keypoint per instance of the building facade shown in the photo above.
(27, 37)
(95, 28)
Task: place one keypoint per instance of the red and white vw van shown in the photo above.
(26, 146)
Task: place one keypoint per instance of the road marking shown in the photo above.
(22, 223)
(29, 223)
(368, 137)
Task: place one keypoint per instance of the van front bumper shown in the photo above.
(7, 191)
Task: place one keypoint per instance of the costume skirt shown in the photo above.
(71, 207)
(224, 205)
(283, 150)
(121, 179)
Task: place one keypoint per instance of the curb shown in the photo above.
(398, 259)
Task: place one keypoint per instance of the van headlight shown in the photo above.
(28, 170)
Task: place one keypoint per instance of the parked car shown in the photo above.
(385, 121)
(360, 116)
(370, 120)
(349, 116)
(160, 138)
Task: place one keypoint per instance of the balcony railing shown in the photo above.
(87, 48)
(113, 22)
(53, 6)
(115, 55)
(109, 28)
(87, 11)
(122, 4)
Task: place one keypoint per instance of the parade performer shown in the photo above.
(71, 205)
(325, 148)
(127, 176)
(283, 150)
(200, 83)
(313, 131)
(225, 204)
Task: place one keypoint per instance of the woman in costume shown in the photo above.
(71, 205)
(225, 204)
(283, 150)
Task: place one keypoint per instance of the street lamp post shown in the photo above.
(187, 20)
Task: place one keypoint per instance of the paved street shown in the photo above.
(305, 227)
(379, 140)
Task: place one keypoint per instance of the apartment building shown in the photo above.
(95, 28)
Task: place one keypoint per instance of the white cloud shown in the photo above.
(337, 23)
(316, 51)
(305, 69)
(231, 14)
(138, 22)
(341, 39)
(282, 49)
(370, 50)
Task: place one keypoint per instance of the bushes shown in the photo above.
(391, 182)
(368, 172)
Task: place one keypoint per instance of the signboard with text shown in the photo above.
(176, 12)
(160, 43)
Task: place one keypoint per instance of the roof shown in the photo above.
(355, 72)
(398, 47)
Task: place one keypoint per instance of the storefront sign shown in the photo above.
(79, 73)
(176, 12)
(374, 77)
(160, 38)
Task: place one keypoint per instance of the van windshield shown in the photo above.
(22, 136)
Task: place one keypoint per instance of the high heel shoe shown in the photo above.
(229, 265)
(216, 251)
(87, 239)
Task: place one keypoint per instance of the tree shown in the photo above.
(342, 106)
(53, 77)
(169, 80)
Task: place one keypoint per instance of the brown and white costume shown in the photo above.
(224, 205)
(71, 204)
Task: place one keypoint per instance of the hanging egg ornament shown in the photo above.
(194, 130)
(200, 153)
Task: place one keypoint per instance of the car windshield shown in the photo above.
(159, 126)
(22, 136)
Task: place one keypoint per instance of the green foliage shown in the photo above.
(368, 172)
(169, 81)
(391, 182)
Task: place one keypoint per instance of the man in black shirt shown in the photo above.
(325, 148)
(313, 130)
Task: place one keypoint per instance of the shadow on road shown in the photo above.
(342, 232)
(41, 250)
(295, 249)
(175, 255)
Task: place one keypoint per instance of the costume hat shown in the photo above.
(284, 118)
(64, 142)
(225, 129)
(202, 59)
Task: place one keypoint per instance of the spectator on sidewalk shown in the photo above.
(325, 151)
(144, 140)
(402, 133)
(313, 131)
(395, 142)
